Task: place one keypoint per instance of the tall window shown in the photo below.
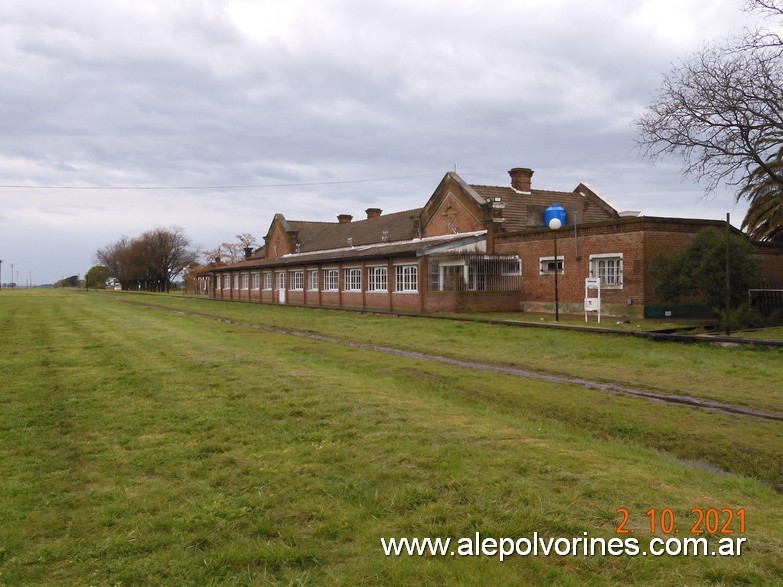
(352, 280)
(331, 280)
(297, 280)
(377, 278)
(609, 268)
(256, 281)
(407, 278)
(312, 280)
(227, 281)
(245, 281)
(268, 280)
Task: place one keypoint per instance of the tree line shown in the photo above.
(149, 262)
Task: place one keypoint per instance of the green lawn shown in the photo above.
(745, 376)
(144, 446)
(775, 333)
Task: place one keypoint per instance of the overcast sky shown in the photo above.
(320, 107)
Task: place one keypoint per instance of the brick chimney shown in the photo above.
(373, 212)
(344, 218)
(248, 252)
(521, 178)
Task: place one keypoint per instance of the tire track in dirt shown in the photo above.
(515, 371)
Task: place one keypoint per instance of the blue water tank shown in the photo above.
(555, 211)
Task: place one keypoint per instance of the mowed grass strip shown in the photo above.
(744, 376)
(145, 447)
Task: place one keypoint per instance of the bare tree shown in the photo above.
(212, 256)
(721, 109)
(235, 252)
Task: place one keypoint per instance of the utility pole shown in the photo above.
(728, 279)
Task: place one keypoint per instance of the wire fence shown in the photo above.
(475, 273)
(767, 299)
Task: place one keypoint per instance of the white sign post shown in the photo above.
(593, 304)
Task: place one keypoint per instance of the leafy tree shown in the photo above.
(149, 262)
(699, 269)
(72, 281)
(721, 109)
(96, 277)
(764, 218)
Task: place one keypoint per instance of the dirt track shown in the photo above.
(519, 372)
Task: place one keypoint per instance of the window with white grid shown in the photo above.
(608, 268)
(297, 280)
(377, 278)
(331, 278)
(312, 280)
(407, 278)
(352, 279)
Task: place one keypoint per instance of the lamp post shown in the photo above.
(554, 225)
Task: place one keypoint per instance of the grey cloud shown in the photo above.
(148, 93)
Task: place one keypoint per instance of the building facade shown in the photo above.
(469, 248)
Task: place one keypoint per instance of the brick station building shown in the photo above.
(470, 248)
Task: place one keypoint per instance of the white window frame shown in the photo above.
(267, 281)
(595, 269)
(256, 280)
(296, 280)
(331, 279)
(352, 279)
(443, 273)
(312, 280)
(226, 281)
(244, 280)
(407, 278)
(378, 278)
(543, 264)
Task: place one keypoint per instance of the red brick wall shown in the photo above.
(538, 291)
(278, 243)
(639, 240)
(451, 211)
(363, 300)
(471, 301)
(771, 261)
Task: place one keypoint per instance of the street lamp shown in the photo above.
(554, 225)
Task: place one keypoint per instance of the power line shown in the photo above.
(214, 187)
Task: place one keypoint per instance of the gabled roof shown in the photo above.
(409, 247)
(522, 210)
(525, 210)
(330, 235)
(318, 236)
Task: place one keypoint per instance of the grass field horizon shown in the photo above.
(147, 444)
